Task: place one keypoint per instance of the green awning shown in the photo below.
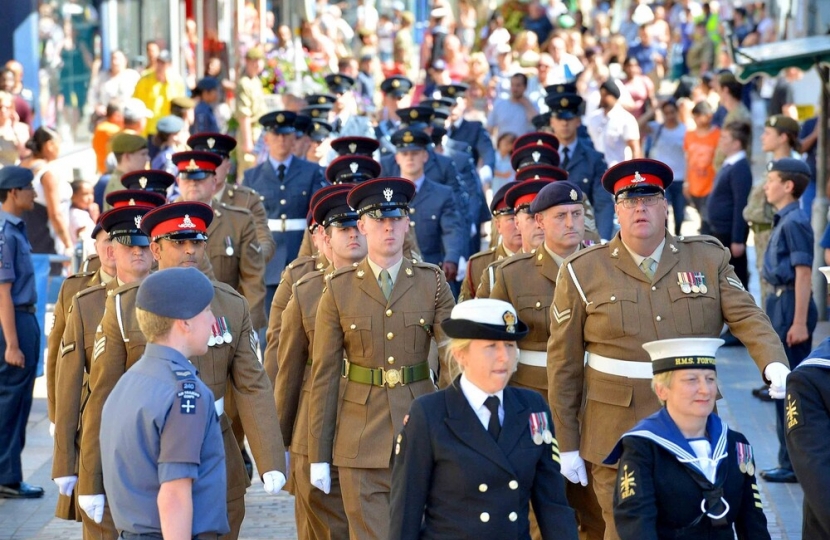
(771, 58)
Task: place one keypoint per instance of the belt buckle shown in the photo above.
(778, 292)
(346, 366)
(283, 223)
(391, 377)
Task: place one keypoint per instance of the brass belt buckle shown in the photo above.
(346, 366)
(391, 377)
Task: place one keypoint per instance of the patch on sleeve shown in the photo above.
(189, 397)
(554, 448)
(560, 316)
(756, 496)
(99, 348)
(66, 349)
(627, 483)
(735, 283)
(792, 412)
(256, 247)
(183, 374)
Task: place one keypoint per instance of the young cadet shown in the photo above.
(319, 515)
(178, 234)
(383, 315)
(643, 285)
(788, 267)
(163, 457)
(20, 336)
(528, 281)
(130, 248)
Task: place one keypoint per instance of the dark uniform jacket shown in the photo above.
(452, 480)
(439, 168)
(585, 168)
(474, 134)
(245, 197)
(438, 225)
(471, 199)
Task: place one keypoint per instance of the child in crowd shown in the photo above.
(503, 171)
(83, 213)
(700, 145)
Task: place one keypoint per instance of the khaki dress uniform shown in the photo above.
(77, 349)
(387, 344)
(488, 276)
(319, 515)
(475, 269)
(410, 246)
(606, 306)
(245, 197)
(120, 344)
(250, 106)
(758, 213)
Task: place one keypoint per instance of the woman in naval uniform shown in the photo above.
(683, 474)
(473, 456)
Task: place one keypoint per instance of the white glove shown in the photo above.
(93, 506)
(776, 373)
(485, 173)
(66, 484)
(321, 477)
(52, 429)
(573, 468)
(273, 481)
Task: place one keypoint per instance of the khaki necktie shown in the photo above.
(386, 283)
(645, 266)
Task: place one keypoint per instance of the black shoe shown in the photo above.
(20, 490)
(730, 341)
(757, 391)
(763, 395)
(249, 466)
(779, 475)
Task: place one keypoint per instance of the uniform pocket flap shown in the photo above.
(624, 295)
(676, 293)
(356, 323)
(416, 318)
(610, 393)
(357, 392)
(529, 302)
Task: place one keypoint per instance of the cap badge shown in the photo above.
(773, 120)
(353, 166)
(352, 147)
(560, 89)
(637, 178)
(142, 182)
(509, 321)
(563, 102)
(536, 156)
(186, 223)
(769, 166)
(387, 194)
(192, 165)
(574, 196)
(451, 90)
(315, 113)
(539, 142)
(137, 220)
(211, 142)
(317, 127)
(336, 79)
(407, 137)
(413, 114)
(321, 99)
(280, 118)
(395, 83)
(131, 203)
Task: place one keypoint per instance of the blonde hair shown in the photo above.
(154, 327)
(455, 346)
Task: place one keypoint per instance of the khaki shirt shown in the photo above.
(250, 103)
(245, 197)
(475, 269)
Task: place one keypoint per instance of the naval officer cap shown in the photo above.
(380, 198)
(682, 353)
(637, 178)
(416, 117)
(302, 123)
(318, 130)
(213, 142)
(352, 169)
(541, 172)
(498, 206)
(317, 111)
(534, 154)
(484, 318)
(334, 210)
(561, 88)
(123, 225)
(280, 122)
(555, 194)
(396, 85)
(453, 91)
(410, 139)
(363, 146)
(541, 121)
(161, 293)
(135, 197)
(538, 138)
(14, 177)
(149, 180)
(565, 106)
(440, 104)
(520, 196)
(178, 221)
(339, 83)
(196, 165)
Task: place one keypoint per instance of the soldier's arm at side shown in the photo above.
(272, 335)
(68, 397)
(263, 233)
(484, 285)
(444, 303)
(750, 521)
(635, 507)
(53, 346)
(486, 152)
(453, 235)
(252, 273)
(293, 357)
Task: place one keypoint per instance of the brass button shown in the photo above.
(513, 484)
(391, 359)
(513, 516)
(613, 298)
(482, 488)
(538, 304)
(653, 288)
(388, 312)
(353, 326)
(485, 517)
(659, 318)
(390, 336)
(421, 321)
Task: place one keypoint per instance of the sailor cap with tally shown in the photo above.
(637, 178)
(387, 197)
(522, 194)
(363, 146)
(556, 193)
(334, 210)
(178, 221)
(352, 169)
(682, 353)
(196, 165)
(538, 138)
(534, 154)
(498, 206)
(484, 318)
(124, 225)
(14, 177)
(149, 180)
(280, 122)
(541, 172)
(135, 197)
(161, 293)
(213, 142)
(396, 85)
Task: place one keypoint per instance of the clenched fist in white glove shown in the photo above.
(776, 373)
(321, 477)
(273, 481)
(52, 429)
(66, 484)
(573, 468)
(93, 506)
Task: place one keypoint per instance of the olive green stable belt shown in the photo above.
(385, 377)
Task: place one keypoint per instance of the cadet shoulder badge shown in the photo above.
(627, 483)
(792, 412)
(189, 397)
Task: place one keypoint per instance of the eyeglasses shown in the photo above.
(631, 203)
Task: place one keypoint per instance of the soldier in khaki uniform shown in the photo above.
(250, 106)
(383, 313)
(319, 515)
(504, 225)
(178, 234)
(130, 249)
(527, 281)
(642, 286)
(232, 247)
(235, 195)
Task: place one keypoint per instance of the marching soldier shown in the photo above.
(158, 182)
(319, 515)
(382, 314)
(232, 246)
(287, 184)
(642, 286)
(504, 225)
(178, 233)
(344, 117)
(468, 131)
(235, 195)
(131, 250)
(395, 90)
(528, 281)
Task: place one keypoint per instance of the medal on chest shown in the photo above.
(220, 332)
(540, 428)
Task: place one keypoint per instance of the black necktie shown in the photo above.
(566, 156)
(494, 427)
(337, 125)
(281, 172)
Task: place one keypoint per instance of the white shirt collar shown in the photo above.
(393, 270)
(476, 396)
(734, 158)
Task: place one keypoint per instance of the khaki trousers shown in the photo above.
(605, 481)
(324, 514)
(366, 501)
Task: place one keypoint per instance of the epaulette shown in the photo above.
(126, 287)
(344, 270)
(422, 264)
(517, 257)
(77, 275)
(481, 254)
(583, 251)
(700, 238)
(311, 276)
(90, 290)
(298, 261)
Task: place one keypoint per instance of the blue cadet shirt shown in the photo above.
(16, 260)
(790, 245)
(159, 424)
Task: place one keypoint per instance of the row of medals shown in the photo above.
(691, 282)
(221, 333)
